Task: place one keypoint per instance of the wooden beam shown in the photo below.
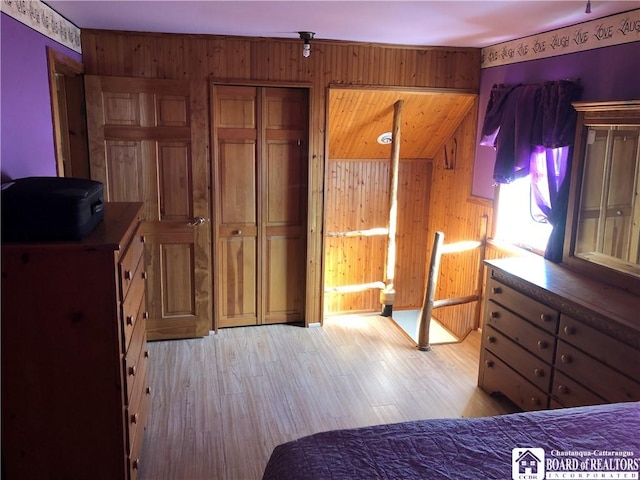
(355, 288)
(388, 294)
(429, 294)
(372, 232)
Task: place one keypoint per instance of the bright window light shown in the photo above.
(515, 223)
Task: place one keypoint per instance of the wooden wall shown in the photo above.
(358, 199)
(273, 60)
(461, 217)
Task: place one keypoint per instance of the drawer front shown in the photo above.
(596, 376)
(131, 307)
(526, 364)
(610, 351)
(129, 263)
(539, 342)
(133, 458)
(537, 313)
(498, 377)
(130, 319)
(138, 406)
(571, 394)
(134, 357)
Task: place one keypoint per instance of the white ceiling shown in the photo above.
(425, 23)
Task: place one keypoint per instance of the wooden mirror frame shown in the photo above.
(593, 114)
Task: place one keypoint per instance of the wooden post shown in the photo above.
(430, 291)
(387, 296)
(483, 254)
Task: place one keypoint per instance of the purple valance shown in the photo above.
(520, 118)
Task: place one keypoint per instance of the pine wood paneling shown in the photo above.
(198, 57)
(453, 212)
(358, 116)
(358, 199)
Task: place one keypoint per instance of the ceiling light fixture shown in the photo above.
(588, 9)
(306, 48)
(385, 138)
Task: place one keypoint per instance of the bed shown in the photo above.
(594, 439)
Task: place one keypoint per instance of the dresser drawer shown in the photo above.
(537, 313)
(138, 407)
(132, 314)
(610, 351)
(133, 457)
(129, 263)
(526, 364)
(134, 358)
(539, 342)
(571, 394)
(595, 375)
(498, 377)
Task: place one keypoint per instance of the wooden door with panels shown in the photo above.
(148, 142)
(260, 137)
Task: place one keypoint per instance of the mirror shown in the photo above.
(605, 230)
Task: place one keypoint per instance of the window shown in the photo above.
(525, 204)
(515, 222)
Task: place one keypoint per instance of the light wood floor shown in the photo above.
(222, 403)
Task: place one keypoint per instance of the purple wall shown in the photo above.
(27, 147)
(609, 73)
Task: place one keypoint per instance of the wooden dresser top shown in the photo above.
(605, 307)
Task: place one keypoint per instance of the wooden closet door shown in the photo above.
(148, 142)
(260, 179)
(235, 122)
(284, 174)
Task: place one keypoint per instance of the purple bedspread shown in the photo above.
(459, 449)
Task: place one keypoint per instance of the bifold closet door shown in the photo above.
(260, 177)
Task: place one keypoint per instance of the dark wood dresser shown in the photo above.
(74, 386)
(553, 338)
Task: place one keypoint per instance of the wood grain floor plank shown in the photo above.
(220, 404)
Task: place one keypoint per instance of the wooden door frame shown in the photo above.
(62, 66)
(313, 289)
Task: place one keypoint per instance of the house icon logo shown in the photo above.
(527, 464)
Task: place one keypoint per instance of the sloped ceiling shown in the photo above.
(358, 117)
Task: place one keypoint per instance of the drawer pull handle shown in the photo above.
(127, 274)
(496, 290)
(134, 418)
(489, 363)
(538, 372)
(545, 318)
(569, 330)
(147, 390)
(535, 400)
(146, 354)
(132, 371)
(542, 344)
(494, 314)
(129, 320)
(491, 339)
(563, 389)
(136, 464)
(145, 315)
(144, 275)
(566, 358)
(237, 232)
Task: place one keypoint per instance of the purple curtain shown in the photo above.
(529, 125)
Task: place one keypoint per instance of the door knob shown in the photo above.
(196, 221)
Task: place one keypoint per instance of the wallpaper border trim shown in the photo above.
(602, 32)
(43, 19)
